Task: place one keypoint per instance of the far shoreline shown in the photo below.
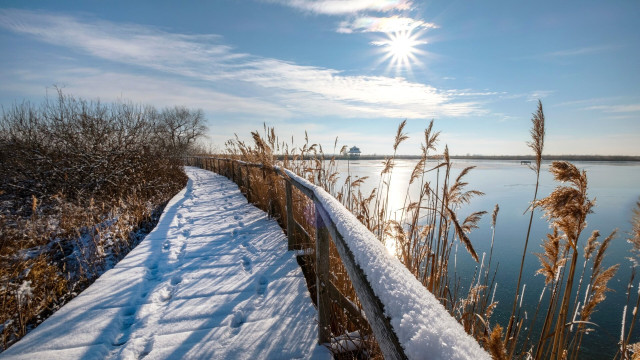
(617, 158)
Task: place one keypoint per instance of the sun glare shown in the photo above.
(400, 50)
(401, 46)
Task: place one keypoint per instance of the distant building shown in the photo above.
(354, 152)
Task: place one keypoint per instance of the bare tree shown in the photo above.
(179, 127)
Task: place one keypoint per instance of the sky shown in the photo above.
(346, 69)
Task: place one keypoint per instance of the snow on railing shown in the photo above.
(406, 319)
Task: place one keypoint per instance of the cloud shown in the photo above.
(150, 90)
(242, 78)
(616, 108)
(390, 24)
(576, 51)
(338, 7)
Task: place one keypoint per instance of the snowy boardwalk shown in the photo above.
(213, 280)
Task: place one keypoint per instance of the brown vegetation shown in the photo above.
(424, 237)
(80, 184)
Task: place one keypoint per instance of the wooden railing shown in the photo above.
(327, 293)
(238, 172)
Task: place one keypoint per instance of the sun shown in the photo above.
(401, 46)
(401, 50)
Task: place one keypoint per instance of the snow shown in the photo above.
(214, 279)
(24, 292)
(423, 326)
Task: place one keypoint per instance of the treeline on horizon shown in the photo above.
(488, 157)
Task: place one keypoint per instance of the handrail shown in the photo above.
(376, 314)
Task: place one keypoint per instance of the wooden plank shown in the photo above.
(233, 171)
(352, 309)
(290, 221)
(299, 186)
(248, 183)
(302, 231)
(371, 304)
(322, 278)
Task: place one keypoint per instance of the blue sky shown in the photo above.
(352, 69)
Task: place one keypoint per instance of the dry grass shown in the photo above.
(429, 230)
(630, 350)
(80, 184)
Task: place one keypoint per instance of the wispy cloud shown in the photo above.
(301, 90)
(337, 7)
(539, 95)
(530, 96)
(389, 24)
(616, 108)
(577, 51)
(113, 85)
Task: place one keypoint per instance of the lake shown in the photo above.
(511, 185)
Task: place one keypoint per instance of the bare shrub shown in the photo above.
(80, 183)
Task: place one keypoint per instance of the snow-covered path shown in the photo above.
(213, 280)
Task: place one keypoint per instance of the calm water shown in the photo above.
(511, 185)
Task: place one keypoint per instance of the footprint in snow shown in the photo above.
(153, 272)
(237, 319)
(163, 295)
(177, 279)
(183, 252)
(249, 247)
(246, 263)
(261, 285)
(148, 347)
(137, 348)
(127, 321)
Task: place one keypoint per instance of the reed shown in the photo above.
(537, 145)
(427, 231)
(628, 350)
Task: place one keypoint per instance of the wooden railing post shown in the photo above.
(371, 304)
(290, 224)
(240, 178)
(248, 182)
(322, 278)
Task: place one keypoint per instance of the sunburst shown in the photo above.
(401, 50)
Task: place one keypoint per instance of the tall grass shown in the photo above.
(429, 229)
(628, 350)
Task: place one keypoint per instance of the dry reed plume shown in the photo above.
(424, 236)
